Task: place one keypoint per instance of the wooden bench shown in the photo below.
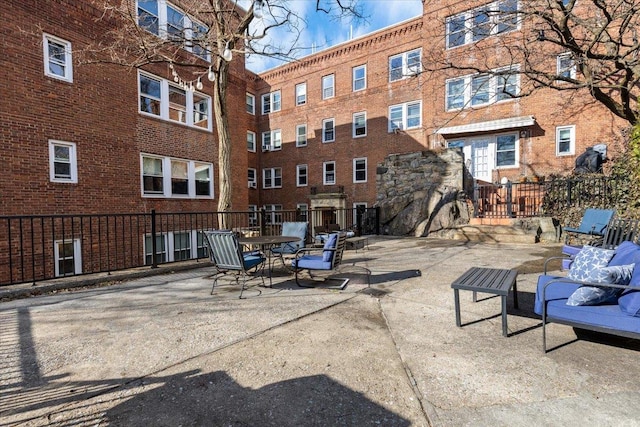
(357, 243)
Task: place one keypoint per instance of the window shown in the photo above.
(405, 116)
(359, 78)
(473, 25)
(181, 245)
(251, 141)
(175, 246)
(253, 216)
(251, 103)
(271, 102)
(161, 249)
(328, 130)
(303, 212)
(359, 124)
(565, 140)
(405, 65)
(329, 173)
(57, 58)
(169, 177)
(301, 94)
(159, 98)
(167, 21)
(63, 164)
(273, 214)
(506, 150)
(360, 170)
(301, 175)
(301, 135)
(252, 178)
(272, 140)
(566, 66)
(482, 89)
(328, 87)
(272, 178)
(68, 257)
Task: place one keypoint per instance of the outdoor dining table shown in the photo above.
(266, 243)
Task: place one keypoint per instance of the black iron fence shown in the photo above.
(41, 247)
(552, 197)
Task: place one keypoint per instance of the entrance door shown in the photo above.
(481, 160)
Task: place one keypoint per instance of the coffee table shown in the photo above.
(496, 281)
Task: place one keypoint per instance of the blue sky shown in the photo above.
(323, 32)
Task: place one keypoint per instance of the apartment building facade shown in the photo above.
(342, 110)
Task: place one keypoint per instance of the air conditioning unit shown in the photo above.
(253, 185)
(266, 148)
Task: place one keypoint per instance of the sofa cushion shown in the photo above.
(628, 253)
(327, 256)
(587, 260)
(557, 291)
(629, 302)
(603, 316)
(593, 295)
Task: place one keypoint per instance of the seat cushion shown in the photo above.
(250, 261)
(311, 262)
(557, 291)
(587, 260)
(327, 256)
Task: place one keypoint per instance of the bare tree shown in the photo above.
(212, 31)
(570, 46)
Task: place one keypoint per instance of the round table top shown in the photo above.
(266, 240)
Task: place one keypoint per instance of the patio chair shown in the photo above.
(593, 225)
(328, 260)
(297, 229)
(227, 257)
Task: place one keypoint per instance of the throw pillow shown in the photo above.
(327, 256)
(593, 295)
(587, 260)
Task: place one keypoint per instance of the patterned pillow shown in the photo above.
(592, 295)
(587, 260)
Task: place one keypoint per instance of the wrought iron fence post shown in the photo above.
(476, 197)
(509, 199)
(263, 221)
(377, 220)
(154, 263)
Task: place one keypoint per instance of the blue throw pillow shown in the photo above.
(592, 295)
(327, 256)
(587, 260)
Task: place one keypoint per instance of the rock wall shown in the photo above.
(420, 193)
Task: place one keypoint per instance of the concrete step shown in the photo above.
(495, 234)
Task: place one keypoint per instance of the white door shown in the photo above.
(481, 160)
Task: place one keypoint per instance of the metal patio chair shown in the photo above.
(593, 225)
(297, 229)
(328, 260)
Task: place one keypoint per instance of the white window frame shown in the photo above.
(303, 210)
(408, 66)
(325, 130)
(356, 79)
(192, 168)
(273, 214)
(299, 174)
(252, 182)
(301, 94)
(355, 127)
(77, 257)
(251, 141)
(250, 100)
(272, 140)
(465, 32)
(402, 123)
(328, 86)
(572, 140)
(186, 28)
(73, 162)
(165, 107)
(195, 245)
(274, 180)
(492, 92)
(66, 64)
(301, 138)
(253, 215)
(566, 65)
(356, 169)
(516, 150)
(274, 102)
(326, 173)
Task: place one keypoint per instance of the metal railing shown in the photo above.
(510, 200)
(41, 247)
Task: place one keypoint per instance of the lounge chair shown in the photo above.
(227, 257)
(297, 229)
(327, 261)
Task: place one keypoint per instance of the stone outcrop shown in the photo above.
(420, 193)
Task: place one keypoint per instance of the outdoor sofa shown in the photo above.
(600, 293)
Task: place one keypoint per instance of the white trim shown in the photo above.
(366, 175)
(572, 140)
(353, 77)
(353, 124)
(68, 60)
(73, 162)
(333, 127)
(324, 173)
(192, 168)
(306, 175)
(77, 256)
(488, 126)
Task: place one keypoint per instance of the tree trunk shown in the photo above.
(224, 139)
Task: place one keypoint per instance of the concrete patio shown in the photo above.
(161, 351)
